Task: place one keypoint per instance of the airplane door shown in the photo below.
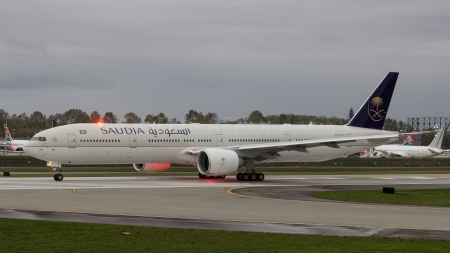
(133, 141)
(287, 137)
(71, 140)
(219, 140)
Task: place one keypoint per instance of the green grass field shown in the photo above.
(45, 236)
(431, 197)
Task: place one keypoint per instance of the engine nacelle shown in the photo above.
(151, 167)
(218, 162)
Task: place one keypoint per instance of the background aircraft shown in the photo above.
(407, 151)
(11, 145)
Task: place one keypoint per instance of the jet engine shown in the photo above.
(218, 162)
(151, 167)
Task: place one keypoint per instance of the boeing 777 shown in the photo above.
(216, 149)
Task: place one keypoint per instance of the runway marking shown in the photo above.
(333, 202)
(74, 191)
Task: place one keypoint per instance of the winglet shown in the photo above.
(373, 112)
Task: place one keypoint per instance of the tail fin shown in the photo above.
(373, 112)
(438, 138)
(409, 140)
(8, 138)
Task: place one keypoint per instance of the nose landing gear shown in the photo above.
(58, 176)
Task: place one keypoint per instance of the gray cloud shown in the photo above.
(228, 57)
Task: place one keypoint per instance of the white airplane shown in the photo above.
(216, 149)
(406, 151)
(11, 145)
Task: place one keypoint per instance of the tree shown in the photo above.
(256, 117)
(210, 118)
(95, 117)
(109, 118)
(351, 113)
(132, 118)
(73, 116)
(191, 117)
(37, 120)
(160, 118)
(174, 121)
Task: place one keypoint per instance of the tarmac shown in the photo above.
(280, 204)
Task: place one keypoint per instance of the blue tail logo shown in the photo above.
(375, 113)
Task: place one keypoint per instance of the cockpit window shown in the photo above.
(39, 139)
(33, 139)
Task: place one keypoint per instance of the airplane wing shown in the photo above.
(330, 142)
(301, 146)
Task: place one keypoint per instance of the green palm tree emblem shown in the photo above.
(376, 115)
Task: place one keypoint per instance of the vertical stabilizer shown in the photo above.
(373, 112)
(409, 140)
(438, 138)
(8, 138)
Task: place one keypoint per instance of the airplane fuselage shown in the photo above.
(171, 143)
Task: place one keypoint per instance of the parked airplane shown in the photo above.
(12, 145)
(216, 149)
(413, 151)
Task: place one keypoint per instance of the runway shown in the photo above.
(278, 204)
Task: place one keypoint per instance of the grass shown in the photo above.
(45, 236)
(433, 197)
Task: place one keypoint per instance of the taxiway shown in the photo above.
(279, 204)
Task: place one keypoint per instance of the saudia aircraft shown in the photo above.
(216, 149)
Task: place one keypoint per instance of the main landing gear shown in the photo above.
(250, 174)
(202, 176)
(58, 176)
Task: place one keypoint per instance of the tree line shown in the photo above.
(26, 126)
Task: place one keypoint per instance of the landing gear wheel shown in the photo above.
(245, 177)
(58, 177)
(260, 176)
(239, 176)
(200, 175)
(253, 176)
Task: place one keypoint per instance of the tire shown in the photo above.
(245, 177)
(59, 177)
(260, 176)
(54, 177)
(239, 176)
(253, 177)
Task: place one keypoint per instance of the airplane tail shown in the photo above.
(438, 138)
(8, 138)
(409, 140)
(373, 112)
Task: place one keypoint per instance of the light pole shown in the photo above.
(13, 132)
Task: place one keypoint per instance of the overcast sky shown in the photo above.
(227, 57)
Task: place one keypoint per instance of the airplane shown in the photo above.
(407, 151)
(216, 149)
(11, 145)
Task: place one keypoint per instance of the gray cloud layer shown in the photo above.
(228, 57)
